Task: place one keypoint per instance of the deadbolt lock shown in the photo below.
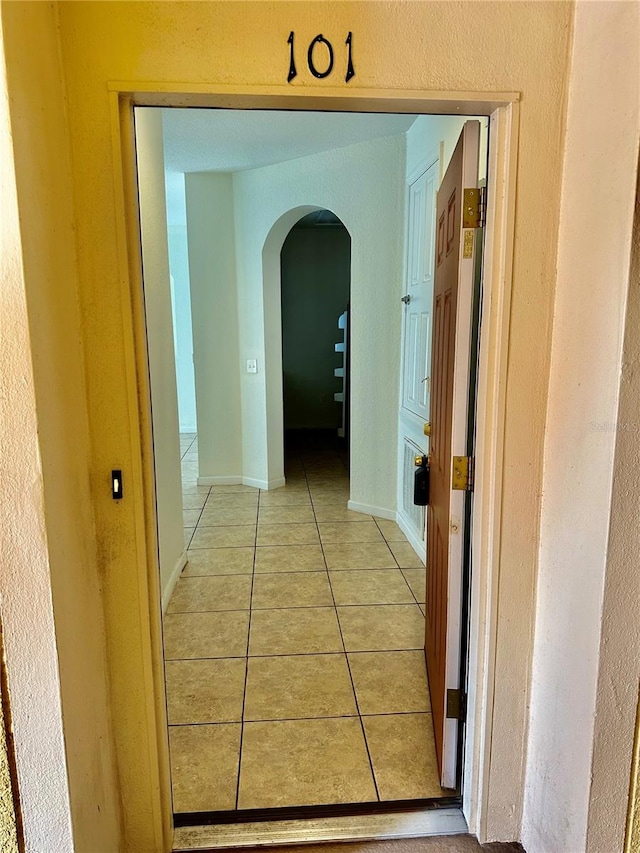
(427, 428)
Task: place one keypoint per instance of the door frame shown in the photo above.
(490, 663)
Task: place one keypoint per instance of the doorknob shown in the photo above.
(406, 299)
(427, 428)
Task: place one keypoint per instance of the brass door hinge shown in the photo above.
(456, 705)
(474, 208)
(462, 477)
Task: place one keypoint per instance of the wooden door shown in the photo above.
(452, 311)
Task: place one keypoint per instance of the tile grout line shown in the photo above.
(195, 527)
(402, 570)
(395, 559)
(282, 571)
(164, 658)
(299, 719)
(188, 448)
(302, 654)
(415, 598)
(346, 656)
(290, 607)
(251, 609)
(410, 587)
(246, 659)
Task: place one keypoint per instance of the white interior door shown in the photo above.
(415, 387)
(419, 293)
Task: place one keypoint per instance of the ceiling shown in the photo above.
(201, 140)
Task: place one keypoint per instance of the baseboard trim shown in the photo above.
(242, 481)
(410, 824)
(418, 545)
(220, 481)
(369, 509)
(173, 580)
(265, 485)
(277, 484)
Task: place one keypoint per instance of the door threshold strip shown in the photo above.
(288, 813)
(414, 823)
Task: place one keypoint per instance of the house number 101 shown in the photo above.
(314, 49)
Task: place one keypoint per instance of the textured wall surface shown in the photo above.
(619, 678)
(583, 426)
(50, 586)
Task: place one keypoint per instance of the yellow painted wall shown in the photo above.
(54, 555)
(488, 46)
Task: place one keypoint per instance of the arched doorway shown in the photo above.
(273, 328)
(315, 284)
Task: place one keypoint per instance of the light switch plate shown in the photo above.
(252, 365)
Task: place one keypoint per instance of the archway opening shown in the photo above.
(315, 267)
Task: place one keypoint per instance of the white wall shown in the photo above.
(210, 229)
(619, 675)
(600, 156)
(363, 185)
(438, 135)
(181, 299)
(316, 267)
(157, 294)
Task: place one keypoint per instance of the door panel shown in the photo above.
(416, 357)
(452, 306)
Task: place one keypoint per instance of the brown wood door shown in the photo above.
(452, 306)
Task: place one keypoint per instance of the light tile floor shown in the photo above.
(294, 648)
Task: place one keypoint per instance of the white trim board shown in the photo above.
(167, 592)
(369, 509)
(414, 824)
(265, 485)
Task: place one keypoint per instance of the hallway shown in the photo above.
(294, 647)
